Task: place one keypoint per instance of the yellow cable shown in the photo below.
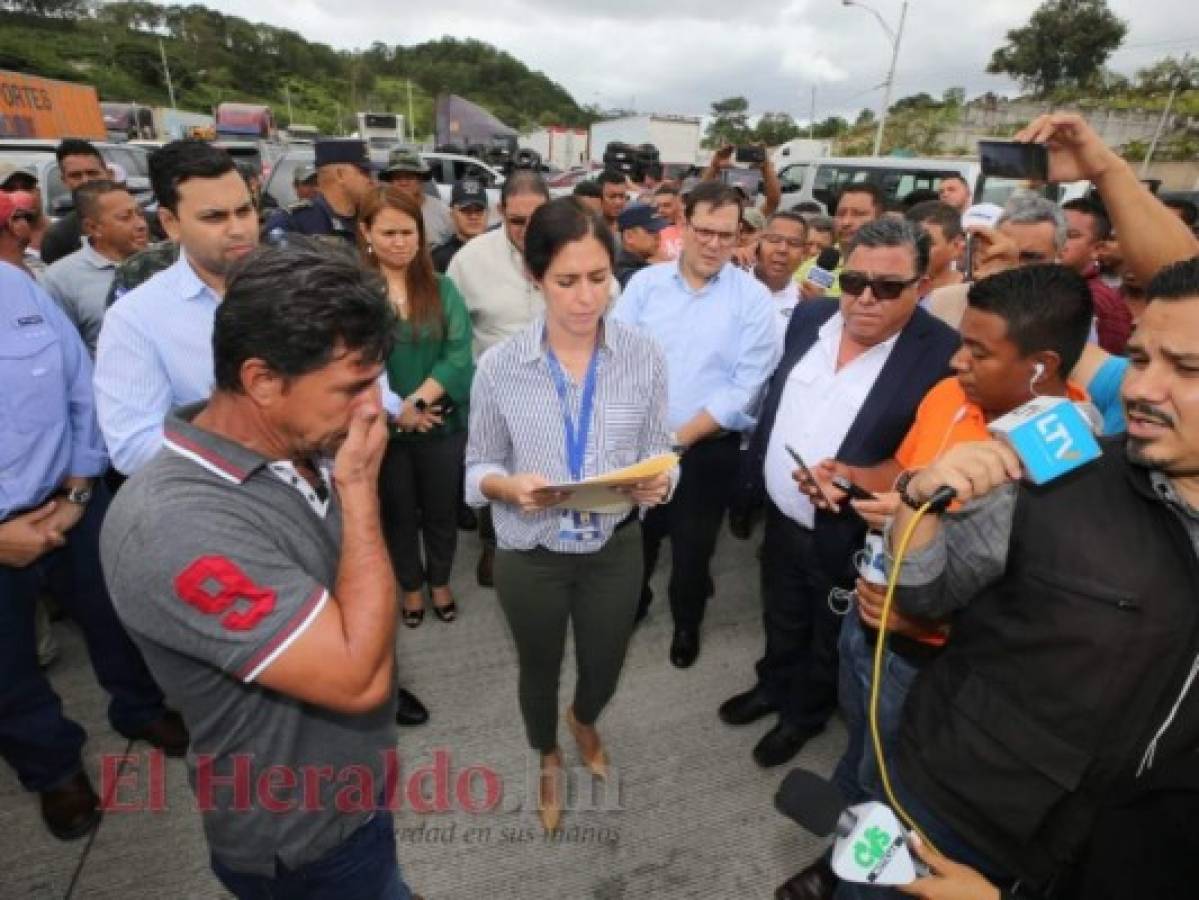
(876, 679)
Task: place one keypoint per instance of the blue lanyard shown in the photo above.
(576, 440)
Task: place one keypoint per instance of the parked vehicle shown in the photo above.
(821, 180)
(34, 107)
(244, 120)
(38, 156)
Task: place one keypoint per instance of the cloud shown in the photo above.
(679, 57)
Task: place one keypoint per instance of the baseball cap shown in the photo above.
(11, 201)
(983, 215)
(304, 173)
(9, 170)
(351, 152)
(754, 218)
(405, 162)
(468, 192)
(641, 216)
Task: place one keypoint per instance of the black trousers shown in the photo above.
(692, 521)
(418, 497)
(799, 669)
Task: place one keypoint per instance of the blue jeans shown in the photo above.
(363, 867)
(36, 739)
(857, 774)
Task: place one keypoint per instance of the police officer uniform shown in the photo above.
(316, 217)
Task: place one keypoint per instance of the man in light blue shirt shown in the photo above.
(716, 325)
(51, 506)
(155, 348)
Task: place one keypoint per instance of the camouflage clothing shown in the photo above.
(141, 267)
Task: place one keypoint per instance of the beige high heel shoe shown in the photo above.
(597, 762)
(549, 790)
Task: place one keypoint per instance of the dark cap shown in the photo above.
(641, 216)
(304, 173)
(11, 172)
(351, 152)
(468, 192)
(401, 162)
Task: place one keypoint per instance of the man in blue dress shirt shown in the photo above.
(716, 325)
(51, 506)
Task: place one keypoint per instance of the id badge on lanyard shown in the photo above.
(573, 524)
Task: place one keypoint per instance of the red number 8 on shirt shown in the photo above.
(232, 585)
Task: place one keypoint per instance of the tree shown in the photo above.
(776, 128)
(865, 117)
(1168, 73)
(1064, 44)
(730, 123)
(954, 96)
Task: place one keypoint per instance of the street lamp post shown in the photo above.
(894, 37)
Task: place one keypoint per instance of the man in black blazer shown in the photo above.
(852, 375)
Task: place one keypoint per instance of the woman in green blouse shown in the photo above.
(431, 368)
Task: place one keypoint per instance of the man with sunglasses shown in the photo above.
(17, 216)
(343, 177)
(716, 325)
(852, 376)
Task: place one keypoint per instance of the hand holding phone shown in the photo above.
(1014, 159)
(822, 497)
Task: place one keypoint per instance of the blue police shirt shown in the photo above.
(48, 429)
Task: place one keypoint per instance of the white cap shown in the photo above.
(983, 215)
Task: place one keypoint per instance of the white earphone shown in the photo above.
(1038, 370)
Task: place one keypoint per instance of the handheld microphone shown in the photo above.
(1051, 436)
(871, 846)
(822, 273)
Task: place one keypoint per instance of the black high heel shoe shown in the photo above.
(448, 612)
(413, 617)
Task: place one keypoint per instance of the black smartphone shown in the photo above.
(751, 155)
(855, 492)
(803, 467)
(1014, 159)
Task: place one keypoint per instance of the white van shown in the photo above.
(821, 180)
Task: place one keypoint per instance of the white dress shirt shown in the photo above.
(816, 411)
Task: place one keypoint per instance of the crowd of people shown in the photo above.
(239, 457)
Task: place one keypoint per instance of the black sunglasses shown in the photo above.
(853, 283)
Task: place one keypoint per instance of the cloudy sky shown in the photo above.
(676, 57)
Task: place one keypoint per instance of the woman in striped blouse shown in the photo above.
(572, 396)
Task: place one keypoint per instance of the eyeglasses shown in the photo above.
(853, 283)
(517, 221)
(793, 243)
(707, 236)
(24, 217)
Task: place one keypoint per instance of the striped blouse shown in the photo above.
(516, 425)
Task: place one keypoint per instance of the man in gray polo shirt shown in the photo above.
(251, 571)
(114, 229)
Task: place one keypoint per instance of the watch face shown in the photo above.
(79, 495)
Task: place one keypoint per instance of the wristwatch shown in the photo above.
(80, 496)
(901, 488)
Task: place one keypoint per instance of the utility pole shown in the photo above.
(411, 118)
(1161, 125)
(166, 70)
(895, 37)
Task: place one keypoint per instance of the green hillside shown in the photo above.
(214, 57)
